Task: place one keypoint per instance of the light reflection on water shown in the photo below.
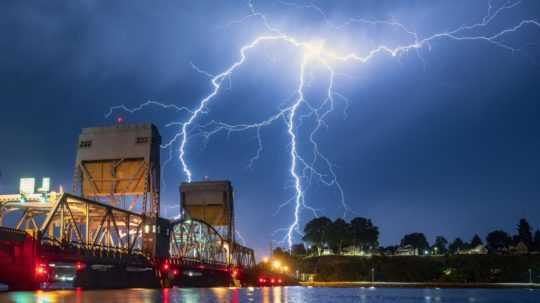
(275, 295)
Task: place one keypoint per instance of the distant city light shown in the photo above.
(27, 186)
(45, 185)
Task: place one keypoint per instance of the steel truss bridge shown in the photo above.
(92, 244)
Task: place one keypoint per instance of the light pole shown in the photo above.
(372, 275)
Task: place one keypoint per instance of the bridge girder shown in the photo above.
(195, 240)
(89, 225)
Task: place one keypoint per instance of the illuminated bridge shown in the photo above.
(110, 235)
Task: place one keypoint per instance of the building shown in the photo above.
(518, 249)
(407, 250)
(478, 250)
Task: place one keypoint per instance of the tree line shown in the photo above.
(362, 235)
(323, 233)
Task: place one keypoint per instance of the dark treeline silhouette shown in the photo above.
(322, 233)
(360, 236)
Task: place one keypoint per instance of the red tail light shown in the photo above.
(79, 266)
(272, 280)
(279, 281)
(166, 266)
(175, 272)
(41, 269)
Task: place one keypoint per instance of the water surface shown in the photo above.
(276, 295)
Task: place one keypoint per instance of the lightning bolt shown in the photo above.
(301, 170)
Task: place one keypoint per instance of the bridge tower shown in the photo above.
(206, 228)
(211, 202)
(120, 166)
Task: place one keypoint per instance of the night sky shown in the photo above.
(444, 141)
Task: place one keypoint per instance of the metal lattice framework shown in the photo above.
(243, 256)
(194, 240)
(92, 226)
(28, 213)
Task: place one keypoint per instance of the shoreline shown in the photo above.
(353, 284)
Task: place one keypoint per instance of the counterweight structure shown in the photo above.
(210, 202)
(208, 217)
(119, 165)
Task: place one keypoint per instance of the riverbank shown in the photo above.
(352, 284)
(437, 270)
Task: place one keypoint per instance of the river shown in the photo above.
(276, 295)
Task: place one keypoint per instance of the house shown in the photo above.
(407, 250)
(357, 251)
(519, 249)
(477, 250)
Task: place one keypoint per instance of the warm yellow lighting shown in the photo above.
(285, 268)
(276, 264)
(265, 259)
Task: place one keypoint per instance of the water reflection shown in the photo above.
(274, 295)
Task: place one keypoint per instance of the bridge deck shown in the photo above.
(87, 236)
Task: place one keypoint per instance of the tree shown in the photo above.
(279, 252)
(456, 246)
(298, 250)
(537, 240)
(440, 245)
(315, 232)
(364, 234)
(475, 241)
(524, 232)
(416, 240)
(498, 240)
(339, 235)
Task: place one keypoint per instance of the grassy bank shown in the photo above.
(437, 269)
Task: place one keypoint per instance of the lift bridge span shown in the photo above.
(110, 235)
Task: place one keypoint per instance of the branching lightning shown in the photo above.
(301, 170)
